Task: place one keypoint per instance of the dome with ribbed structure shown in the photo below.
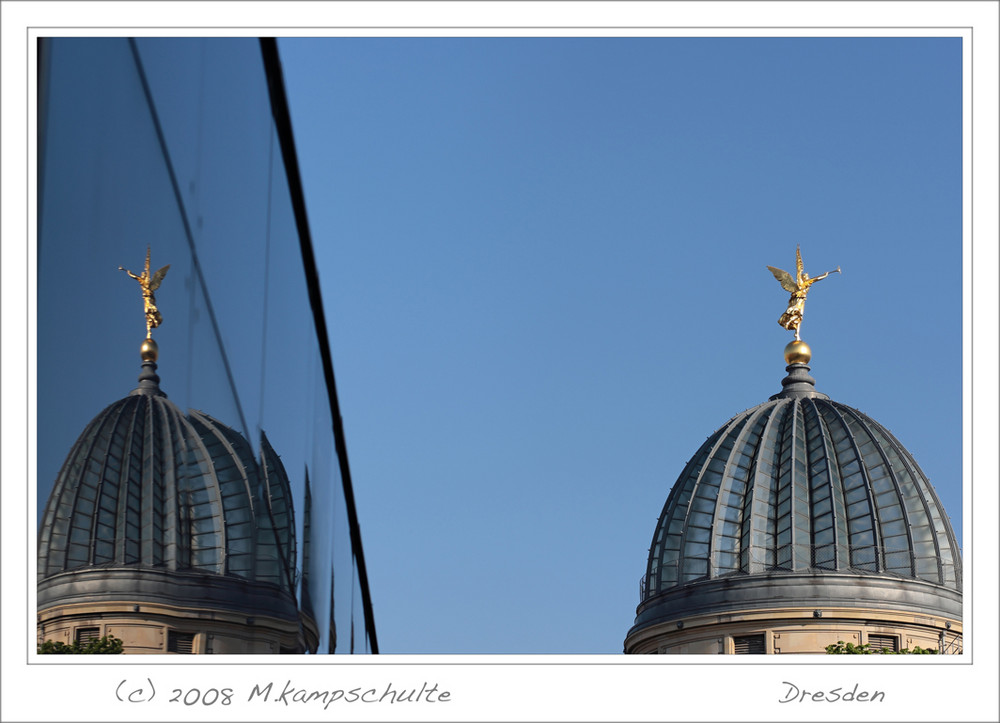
(800, 501)
(802, 482)
(158, 506)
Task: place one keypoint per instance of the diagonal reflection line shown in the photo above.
(187, 231)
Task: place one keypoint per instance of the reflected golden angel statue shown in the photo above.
(149, 284)
(798, 287)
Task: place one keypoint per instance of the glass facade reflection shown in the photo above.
(173, 144)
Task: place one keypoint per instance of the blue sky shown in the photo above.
(544, 267)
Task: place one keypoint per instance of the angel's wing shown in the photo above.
(154, 282)
(784, 278)
(798, 263)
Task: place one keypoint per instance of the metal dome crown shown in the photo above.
(801, 484)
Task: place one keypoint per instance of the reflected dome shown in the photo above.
(158, 508)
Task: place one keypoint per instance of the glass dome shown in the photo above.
(801, 484)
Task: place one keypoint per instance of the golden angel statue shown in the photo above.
(798, 287)
(149, 284)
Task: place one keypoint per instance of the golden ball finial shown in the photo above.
(797, 352)
(149, 351)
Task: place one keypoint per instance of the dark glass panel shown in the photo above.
(895, 542)
(823, 537)
(858, 509)
(822, 507)
(823, 522)
(703, 505)
(856, 494)
(695, 550)
(702, 519)
(862, 538)
(698, 534)
(891, 514)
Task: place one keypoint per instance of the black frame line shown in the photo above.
(283, 128)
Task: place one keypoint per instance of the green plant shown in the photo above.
(108, 645)
(842, 648)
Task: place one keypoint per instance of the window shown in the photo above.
(884, 642)
(749, 644)
(182, 643)
(85, 635)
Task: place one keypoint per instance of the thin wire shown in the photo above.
(267, 276)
